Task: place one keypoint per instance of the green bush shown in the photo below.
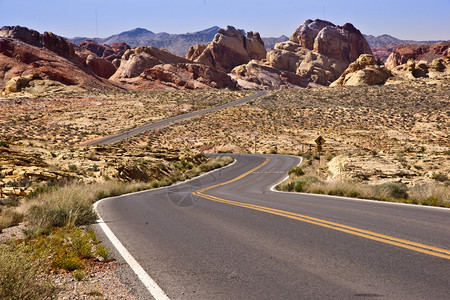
(297, 171)
(4, 144)
(394, 190)
(102, 252)
(68, 262)
(299, 187)
(79, 275)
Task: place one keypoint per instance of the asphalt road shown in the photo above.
(240, 240)
(166, 122)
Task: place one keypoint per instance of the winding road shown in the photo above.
(166, 122)
(228, 235)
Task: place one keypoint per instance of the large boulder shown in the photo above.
(135, 61)
(363, 71)
(229, 48)
(426, 53)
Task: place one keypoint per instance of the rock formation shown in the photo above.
(61, 47)
(318, 52)
(109, 53)
(135, 61)
(256, 74)
(151, 68)
(19, 59)
(189, 76)
(363, 71)
(343, 43)
(426, 53)
(230, 48)
(437, 69)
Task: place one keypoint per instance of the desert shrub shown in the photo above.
(68, 261)
(20, 273)
(102, 252)
(297, 171)
(70, 205)
(438, 176)
(4, 144)
(299, 187)
(9, 217)
(79, 275)
(394, 190)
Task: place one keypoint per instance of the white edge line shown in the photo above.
(148, 282)
(143, 276)
(273, 189)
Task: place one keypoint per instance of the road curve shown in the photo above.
(226, 235)
(166, 122)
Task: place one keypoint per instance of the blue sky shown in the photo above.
(416, 20)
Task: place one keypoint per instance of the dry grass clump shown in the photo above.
(425, 194)
(9, 217)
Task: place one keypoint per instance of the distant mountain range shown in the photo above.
(179, 44)
(386, 40)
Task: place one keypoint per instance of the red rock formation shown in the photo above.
(426, 53)
(381, 53)
(135, 61)
(21, 59)
(109, 53)
(59, 46)
(229, 49)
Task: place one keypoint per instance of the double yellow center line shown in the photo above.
(438, 252)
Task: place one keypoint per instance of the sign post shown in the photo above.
(255, 133)
(320, 141)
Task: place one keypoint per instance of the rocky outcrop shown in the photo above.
(437, 69)
(135, 61)
(314, 66)
(59, 46)
(230, 48)
(363, 71)
(19, 59)
(189, 76)
(257, 74)
(343, 43)
(109, 53)
(425, 53)
(318, 52)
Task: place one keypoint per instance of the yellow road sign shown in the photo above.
(320, 141)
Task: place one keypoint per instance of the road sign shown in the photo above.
(320, 141)
(255, 133)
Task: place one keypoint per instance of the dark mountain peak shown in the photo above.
(136, 32)
(211, 30)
